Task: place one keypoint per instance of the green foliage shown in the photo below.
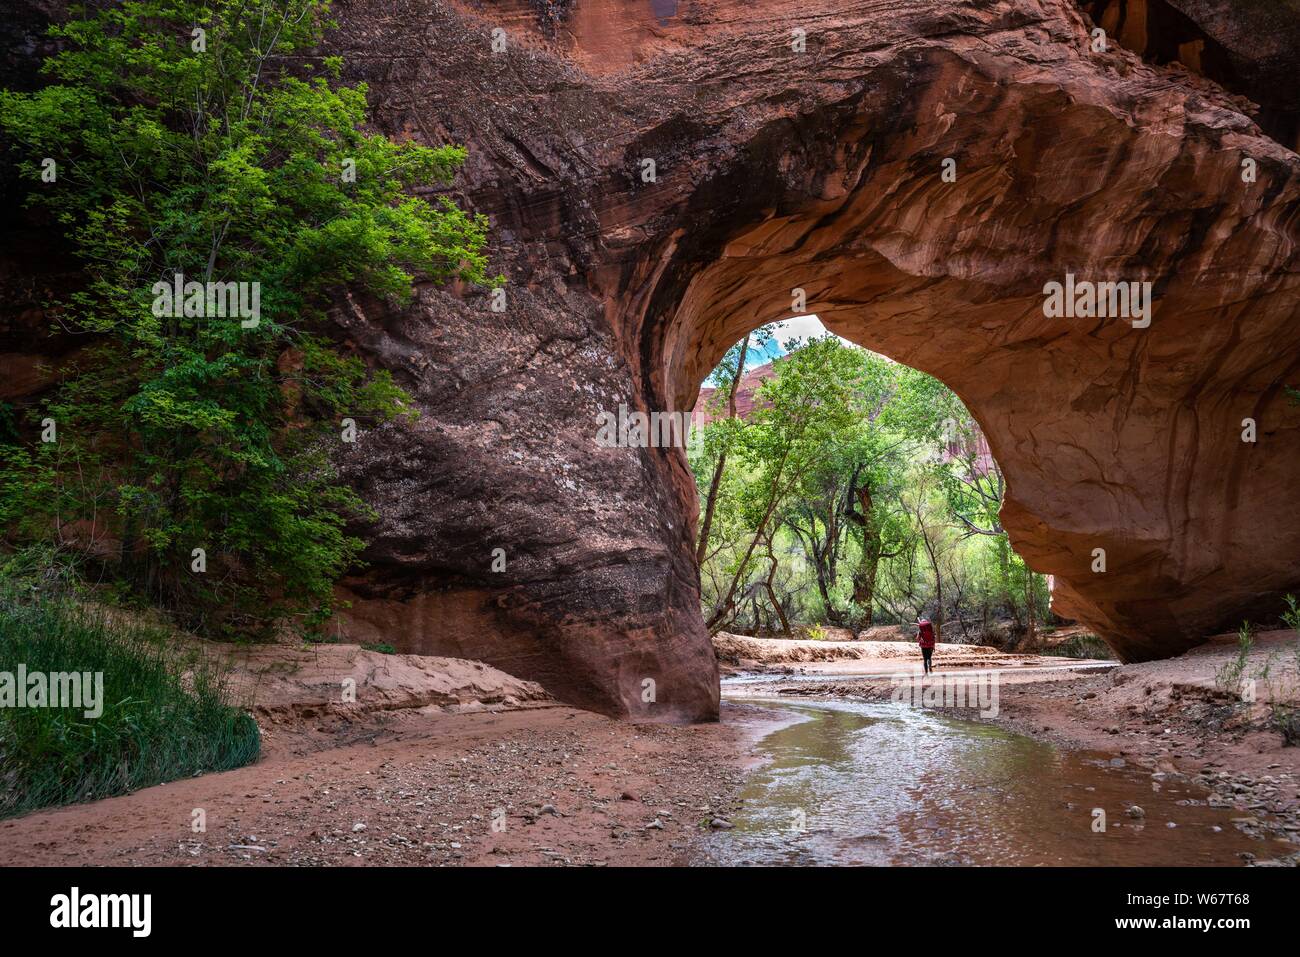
(1285, 719)
(808, 409)
(1228, 678)
(199, 429)
(1284, 715)
(164, 715)
(852, 479)
(1292, 615)
(805, 412)
(761, 342)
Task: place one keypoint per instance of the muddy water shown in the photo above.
(880, 783)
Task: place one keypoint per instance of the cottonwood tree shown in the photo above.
(720, 434)
(813, 397)
(834, 505)
(870, 507)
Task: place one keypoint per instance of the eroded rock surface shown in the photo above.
(818, 170)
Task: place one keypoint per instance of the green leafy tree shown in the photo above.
(813, 399)
(972, 487)
(180, 142)
(720, 434)
(834, 503)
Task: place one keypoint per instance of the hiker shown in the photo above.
(925, 638)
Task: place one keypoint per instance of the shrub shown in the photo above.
(1286, 721)
(164, 715)
(197, 438)
(1228, 678)
(1292, 615)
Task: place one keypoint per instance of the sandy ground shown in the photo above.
(1172, 717)
(741, 654)
(745, 653)
(437, 762)
(442, 761)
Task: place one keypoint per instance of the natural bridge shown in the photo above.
(803, 146)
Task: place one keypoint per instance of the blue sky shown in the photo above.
(802, 328)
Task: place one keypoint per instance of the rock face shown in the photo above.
(1247, 45)
(821, 170)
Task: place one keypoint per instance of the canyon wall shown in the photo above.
(818, 167)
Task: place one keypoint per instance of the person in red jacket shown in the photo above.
(925, 638)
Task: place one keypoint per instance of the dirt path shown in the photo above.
(563, 786)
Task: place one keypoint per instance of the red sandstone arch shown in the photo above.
(1111, 436)
(823, 173)
(818, 170)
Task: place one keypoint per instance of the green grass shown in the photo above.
(382, 647)
(165, 715)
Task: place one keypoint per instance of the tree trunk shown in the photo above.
(864, 583)
(711, 502)
(771, 592)
(1031, 629)
(773, 501)
(823, 587)
(864, 576)
(1004, 580)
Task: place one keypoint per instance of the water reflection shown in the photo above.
(876, 783)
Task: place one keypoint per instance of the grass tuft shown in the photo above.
(166, 715)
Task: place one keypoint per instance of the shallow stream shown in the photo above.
(883, 783)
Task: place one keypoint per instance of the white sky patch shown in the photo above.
(802, 328)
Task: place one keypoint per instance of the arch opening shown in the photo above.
(845, 495)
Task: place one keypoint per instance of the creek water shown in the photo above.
(884, 783)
